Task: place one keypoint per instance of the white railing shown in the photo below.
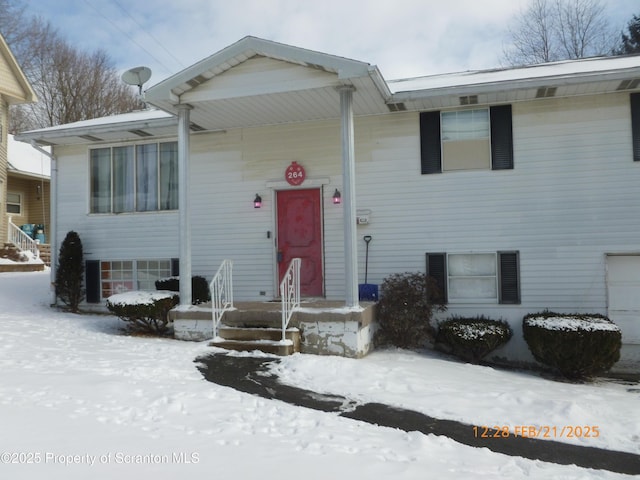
(290, 293)
(221, 288)
(21, 240)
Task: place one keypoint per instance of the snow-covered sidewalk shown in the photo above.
(78, 400)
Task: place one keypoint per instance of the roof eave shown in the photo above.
(94, 130)
(518, 84)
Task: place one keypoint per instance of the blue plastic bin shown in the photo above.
(28, 228)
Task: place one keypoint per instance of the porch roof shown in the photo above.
(259, 82)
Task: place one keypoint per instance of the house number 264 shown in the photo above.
(294, 174)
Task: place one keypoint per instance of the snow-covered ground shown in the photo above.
(78, 400)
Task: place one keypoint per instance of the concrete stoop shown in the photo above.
(12, 253)
(320, 327)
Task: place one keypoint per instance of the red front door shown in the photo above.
(300, 236)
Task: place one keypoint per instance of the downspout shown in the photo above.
(53, 218)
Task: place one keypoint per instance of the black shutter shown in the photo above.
(430, 155)
(92, 280)
(635, 125)
(501, 138)
(437, 268)
(175, 267)
(509, 277)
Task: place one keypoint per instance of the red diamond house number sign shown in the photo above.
(294, 174)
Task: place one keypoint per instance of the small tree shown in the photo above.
(70, 272)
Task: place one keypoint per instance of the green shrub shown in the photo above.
(577, 345)
(406, 308)
(199, 288)
(144, 311)
(70, 271)
(472, 338)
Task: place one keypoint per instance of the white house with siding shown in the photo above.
(516, 188)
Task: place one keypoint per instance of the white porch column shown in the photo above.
(349, 197)
(183, 204)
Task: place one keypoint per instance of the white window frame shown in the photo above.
(19, 204)
(478, 134)
(131, 205)
(491, 278)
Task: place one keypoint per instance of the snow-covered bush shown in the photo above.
(199, 288)
(70, 271)
(405, 310)
(472, 338)
(577, 345)
(144, 311)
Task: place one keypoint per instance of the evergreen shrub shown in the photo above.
(144, 311)
(577, 345)
(472, 338)
(70, 272)
(405, 310)
(199, 288)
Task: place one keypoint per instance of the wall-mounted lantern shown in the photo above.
(257, 202)
(337, 198)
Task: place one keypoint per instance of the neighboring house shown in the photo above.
(517, 189)
(14, 89)
(28, 191)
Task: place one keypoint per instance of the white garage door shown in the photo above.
(623, 289)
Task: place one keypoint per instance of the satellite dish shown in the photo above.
(137, 76)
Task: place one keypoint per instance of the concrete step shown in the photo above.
(266, 346)
(268, 334)
(21, 267)
(268, 340)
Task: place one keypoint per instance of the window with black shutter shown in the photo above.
(635, 125)
(469, 139)
(476, 277)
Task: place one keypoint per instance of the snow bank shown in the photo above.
(73, 391)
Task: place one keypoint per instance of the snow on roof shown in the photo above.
(138, 116)
(565, 68)
(24, 158)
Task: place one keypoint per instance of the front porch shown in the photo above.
(319, 326)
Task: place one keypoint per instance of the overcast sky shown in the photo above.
(404, 38)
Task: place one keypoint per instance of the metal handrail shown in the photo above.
(21, 239)
(290, 293)
(221, 288)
